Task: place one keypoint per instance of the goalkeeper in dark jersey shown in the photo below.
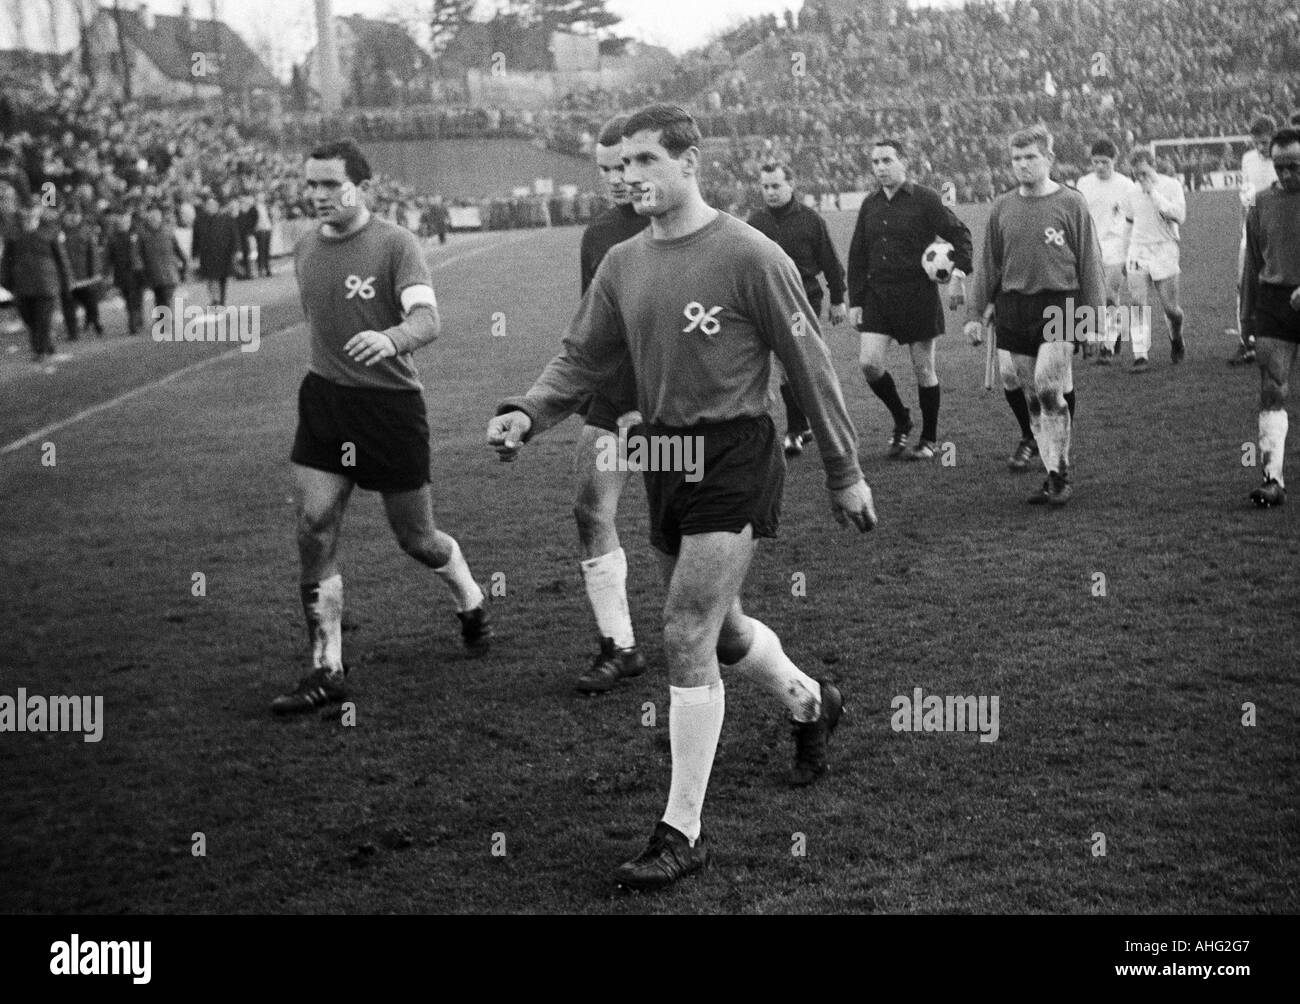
(369, 303)
(693, 309)
(604, 563)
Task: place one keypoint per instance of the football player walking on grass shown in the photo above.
(1270, 305)
(1040, 258)
(604, 562)
(369, 303)
(694, 309)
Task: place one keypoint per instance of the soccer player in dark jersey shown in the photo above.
(890, 296)
(1270, 304)
(1040, 260)
(369, 303)
(694, 308)
(802, 234)
(604, 563)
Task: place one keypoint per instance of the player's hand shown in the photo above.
(1295, 298)
(855, 316)
(506, 434)
(975, 332)
(838, 313)
(369, 347)
(854, 504)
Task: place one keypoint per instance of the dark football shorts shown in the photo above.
(1021, 317)
(388, 430)
(602, 413)
(907, 311)
(1274, 316)
(741, 477)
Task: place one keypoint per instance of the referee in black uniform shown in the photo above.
(802, 234)
(891, 296)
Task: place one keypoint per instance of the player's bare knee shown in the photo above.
(1051, 400)
(317, 524)
(1272, 395)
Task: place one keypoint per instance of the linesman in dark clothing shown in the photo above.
(1270, 304)
(802, 234)
(891, 297)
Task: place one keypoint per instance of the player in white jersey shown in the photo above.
(1155, 210)
(1107, 193)
(1257, 175)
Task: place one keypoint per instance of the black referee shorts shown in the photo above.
(377, 438)
(1020, 318)
(740, 481)
(907, 311)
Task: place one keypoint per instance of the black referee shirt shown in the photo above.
(892, 234)
(802, 234)
(611, 227)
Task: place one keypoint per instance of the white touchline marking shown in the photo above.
(95, 409)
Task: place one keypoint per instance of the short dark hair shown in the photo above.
(897, 144)
(1035, 135)
(1284, 137)
(678, 131)
(611, 133)
(346, 150)
(1103, 147)
(773, 166)
(1295, 119)
(1262, 126)
(1142, 156)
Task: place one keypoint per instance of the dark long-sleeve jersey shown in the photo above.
(696, 320)
(611, 227)
(34, 264)
(1272, 245)
(802, 234)
(1037, 243)
(891, 236)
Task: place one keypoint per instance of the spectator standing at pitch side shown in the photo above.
(892, 298)
(802, 234)
(81, 243)
(161, 255)
(125, 261)
(216, 243)
(35, 270)
(262, 235)
(1270, 301)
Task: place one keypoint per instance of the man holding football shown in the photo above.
(692, 310)
(891, 298)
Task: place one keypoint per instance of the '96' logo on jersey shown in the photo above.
(701, 319)
(357, 286)
(1053, 236)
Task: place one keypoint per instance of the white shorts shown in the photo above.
(1159, 261)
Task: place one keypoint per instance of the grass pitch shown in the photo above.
(1120, 714)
